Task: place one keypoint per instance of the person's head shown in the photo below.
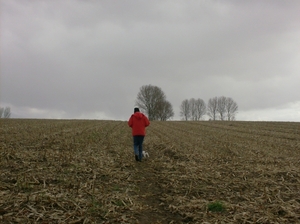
(136, 109)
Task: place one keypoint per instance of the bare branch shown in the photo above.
(212, 108)
(231, 108)
(185, 112)
(5, 112)
(152, 101)
(221, 107)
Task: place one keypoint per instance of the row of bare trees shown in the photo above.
(217, 108)
(222, 108)
(192, 109)
(152, 101)
(5, 112)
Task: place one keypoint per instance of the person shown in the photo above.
(138, 123)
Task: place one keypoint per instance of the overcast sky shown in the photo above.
(74, 59)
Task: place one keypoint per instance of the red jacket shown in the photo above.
(138, 121)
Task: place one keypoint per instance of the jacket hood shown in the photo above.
(138, 115)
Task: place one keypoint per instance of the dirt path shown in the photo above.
(148, 177)
(150, 196)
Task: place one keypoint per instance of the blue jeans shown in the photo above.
(138, 145)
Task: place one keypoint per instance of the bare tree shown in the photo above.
(148, 98)
(5, 112)
(212, 108)
(164, 111)
(221, 107)
(151, 100)
(200, 109)
(231, 108)
(193, 109)
(185, 112)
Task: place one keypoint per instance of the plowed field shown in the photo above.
(84, 171)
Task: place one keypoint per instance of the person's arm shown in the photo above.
(147, 122)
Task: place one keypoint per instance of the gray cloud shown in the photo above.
(89, 58)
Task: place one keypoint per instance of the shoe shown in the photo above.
(136, 158)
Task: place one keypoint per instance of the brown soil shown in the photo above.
(73, 171)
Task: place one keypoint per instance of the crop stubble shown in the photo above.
(83, 171)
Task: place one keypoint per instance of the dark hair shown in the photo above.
(136, 109)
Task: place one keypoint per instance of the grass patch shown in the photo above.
(216, 206)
